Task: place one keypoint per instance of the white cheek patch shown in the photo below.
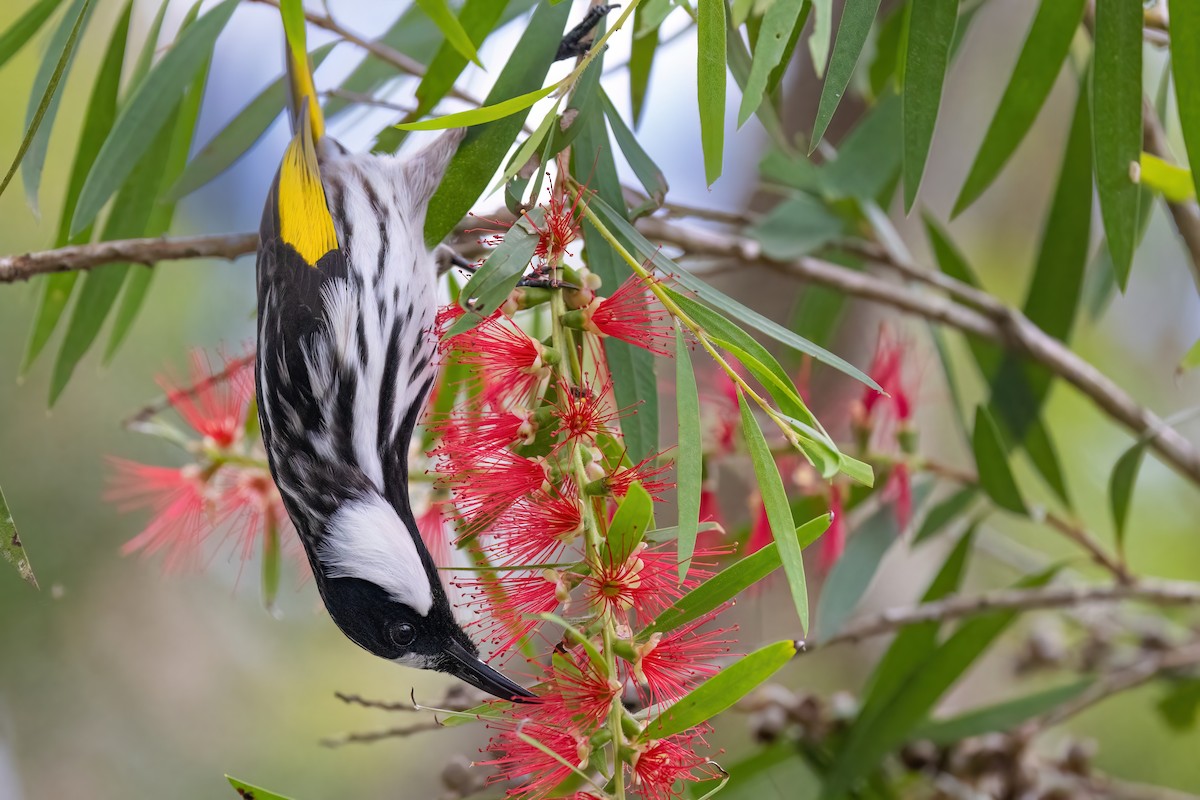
(414, 660)
(366, 539)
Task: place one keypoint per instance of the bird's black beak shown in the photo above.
(466, 666)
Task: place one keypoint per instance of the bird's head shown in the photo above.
(382, 589)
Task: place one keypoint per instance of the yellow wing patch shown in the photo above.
(304, 219)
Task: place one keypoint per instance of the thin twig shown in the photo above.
(1155, 592)
(1185, 215)
(146, 412)
(388, 733)
(382, 705)
(137, 251)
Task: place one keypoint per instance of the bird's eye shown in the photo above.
(403, 634)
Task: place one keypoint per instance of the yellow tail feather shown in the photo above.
(304, 219)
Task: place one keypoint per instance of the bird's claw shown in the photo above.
(579, 39)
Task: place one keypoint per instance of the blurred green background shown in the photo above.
(119, 682)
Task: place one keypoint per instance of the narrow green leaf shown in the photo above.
(641, 59)
(478, 116)
(1180, 707)
(773, 37)
(494, 281)
(484, 148)
(857, 16)
(733, 580)
(710, 83)
(478, 18)
(451, 28)
(721, 691)
(633, 368)
(1120, 487)
(11, 547)
(1185, 69)
(149, 109)
(1117, 124)
(629, 524)
(930, 32)
(991, 458)
(647, 172)
(295, 27)
(643, 249)
(150, 48)
(97, 122)
(20, 32)
(945, 512)
(779, 513)
(44, 100)
(270, 565)
(1172, 181)
(818, 40)
(1191, 359)
(799, 225)
(528, 148)
(852, 574)
(867, 744)
(868, 160)
(1046, 47)
(236, 138)
(689, 461)
(249, 791)
(1001, 717)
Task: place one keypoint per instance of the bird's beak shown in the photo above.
(466, 666)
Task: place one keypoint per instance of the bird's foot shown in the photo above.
(579, 39)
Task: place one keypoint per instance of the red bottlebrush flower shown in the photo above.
(899, 491)
(250, 503)
(516, 758)
(833, 543)
(644, 472)
(213, 402)
(666, 762)
(493, 483)
(560, 229)
(584, 411)
(467, 437)
(434, 528)
(537, 528)
(719, 414)
(511, 363)
(632, 315)
(508, 608)
(760, 532)
(179, 499)
(710, 506)
(888, 370)
(579, 693)
(645, 583)
(669, 664)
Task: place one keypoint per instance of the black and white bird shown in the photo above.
(346, 304)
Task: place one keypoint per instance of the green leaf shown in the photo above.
(733, 580)
(484, 148)
(243, 131)
(857, 16)
(852, 574)
(20, 32)
(710, 83)
(1120, 487)
(869, 158)
(528, 148)
(643, 249)
(44, 99)
(478, 18)
(485, 113)
(945, 512)
(150, 108)
(991, 458)
(494, 281)
(1172, 181)
(930, 32)
(249, 791)
(818, 40)
(689, 461)
(866, 745)
(1185, 69)
(1117, 124)
(633, 368)
(11, 547)
(97, 121)
(1046, 47)
(779, 513)
(799, 225)
(629, 524)
(769, 50)
(647, 172)
(641, 58)
(295, 28)
(1182, 702)
(1001, 717)
(270, 564)
(721, 691)
(451, 28)
(1191, 359)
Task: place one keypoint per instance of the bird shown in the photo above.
(345, 362)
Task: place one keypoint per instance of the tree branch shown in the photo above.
(136, 251)
(1161, 593)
